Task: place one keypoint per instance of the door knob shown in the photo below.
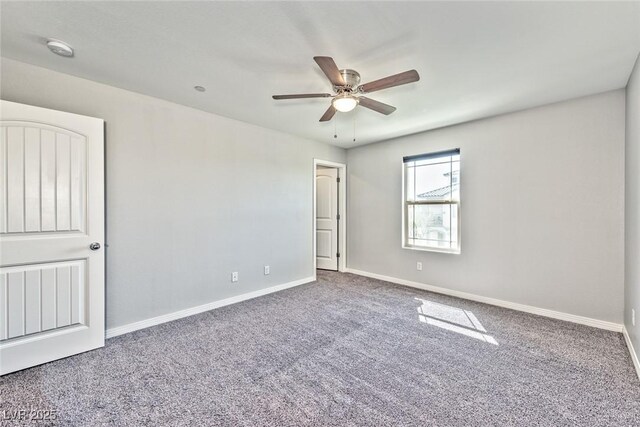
(94, 246)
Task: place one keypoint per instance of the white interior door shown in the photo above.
(52, 194)
(327, 218)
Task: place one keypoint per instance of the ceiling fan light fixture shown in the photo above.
(344, 103)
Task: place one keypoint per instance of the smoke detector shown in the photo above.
(60, 48)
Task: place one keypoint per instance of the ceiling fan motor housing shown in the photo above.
(351, 79)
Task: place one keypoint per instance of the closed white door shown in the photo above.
(51, 235)
(327, 218)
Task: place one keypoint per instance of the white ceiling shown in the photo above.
(475, 59)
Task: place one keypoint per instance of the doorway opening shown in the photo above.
(329, 215)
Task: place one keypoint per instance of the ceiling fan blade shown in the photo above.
(328, 115)
(302, 95)
(378, 106)
(391, 81)
(330, 69)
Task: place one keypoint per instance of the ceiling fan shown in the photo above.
(348, 90)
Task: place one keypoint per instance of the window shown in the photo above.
(431, 210)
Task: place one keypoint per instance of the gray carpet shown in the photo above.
(345, 350)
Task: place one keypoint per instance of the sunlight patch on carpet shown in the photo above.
(453, 319)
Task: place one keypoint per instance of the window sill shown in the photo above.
(437, 250)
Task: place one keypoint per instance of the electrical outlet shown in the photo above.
(266, 270)
(234, 276)
(633, 317)
(419, 266)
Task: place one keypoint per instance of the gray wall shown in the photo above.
(191, 196)
(542, 208)
(632, 208)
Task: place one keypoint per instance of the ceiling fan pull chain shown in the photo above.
(354, 128)
(335, 130)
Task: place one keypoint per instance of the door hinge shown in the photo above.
(338, 255)
(338, 179)
(338, 217)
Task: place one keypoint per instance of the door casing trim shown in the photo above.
(342, 211)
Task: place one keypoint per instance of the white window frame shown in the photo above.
(405, 215)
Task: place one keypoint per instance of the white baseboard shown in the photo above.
(601, 324)
(142, 324)
(632, 351)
